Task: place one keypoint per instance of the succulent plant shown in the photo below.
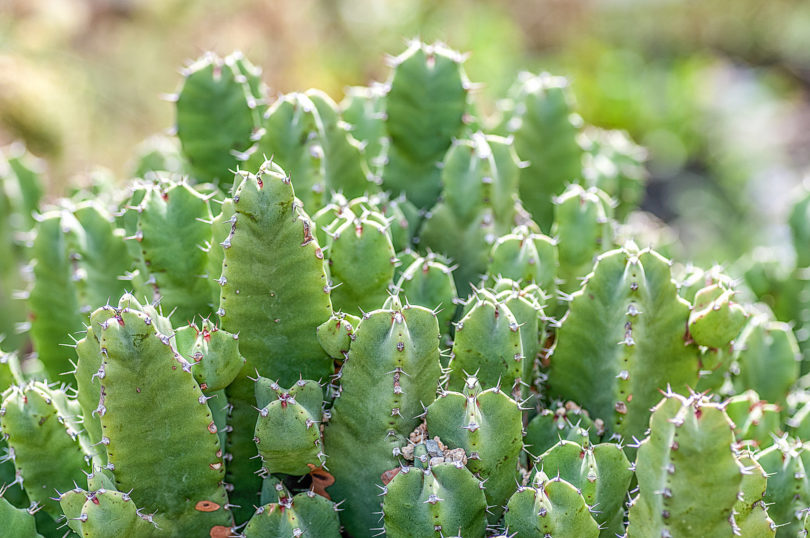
(383, 318)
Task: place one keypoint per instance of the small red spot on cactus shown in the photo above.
(120, 320)
(203, 386)
(389, 475)
(215, 466)
(207, 506)
(95, 500)
(629, 397)
(212, 427)
(165, 196)
(138, 390)
(259, 181)
(698, 413)
(220, 531)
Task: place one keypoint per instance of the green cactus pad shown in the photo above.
(716, 320)
(305, 515)
(601, 473)
(140, 368)
(583, 230)
(549, 507)
(545, 132)
(391, 372)
(526, 257)
(425, 107)
(428, 282)
(361, 262)
(443, 500)
(39, 423)
(569, 423)
(287, 432)
(169, 212)
(17, 521)
(216, 117)
(750, 511)
(622, 341)
(786, 462)
(678, 495)
(479, 186)
(767, 359)
(487, 344)
(488, 426)
(212, 352)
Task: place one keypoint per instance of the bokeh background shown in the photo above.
(717, 90)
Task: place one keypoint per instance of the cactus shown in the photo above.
(287, 432)
(614, 164)
(38, 423)
(788, 491)
(631, 302)
(479, 187)
(767, 359)
(428, 282)
(583, 230)
(716, 320)
(435, 501)
(600, 472)
(525, 256)
(302, 132)
(306, 515)
(546, 131)
(363, 109)
(391, 371)
(549, 507)
(569, 422)
(361, 261)
(424, 111)
(676, 497)
(750, 511)
(18, 521)
(755, 421)
(217, 115)
(79, 259)
(406, 405)
(134, 351)
(20, 194)
(487, 343)
(179, 279)
(487, 425)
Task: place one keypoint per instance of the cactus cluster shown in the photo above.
(388, 316)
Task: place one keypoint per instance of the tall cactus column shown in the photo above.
(623, 340)
(274, 295)
(392, 370)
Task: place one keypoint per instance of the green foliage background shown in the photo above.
(717, 91)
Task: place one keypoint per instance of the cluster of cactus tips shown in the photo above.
(387, 317)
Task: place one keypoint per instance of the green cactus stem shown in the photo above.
(287, 432)
(391, 372)
(140, 367)
(488, 426)
(549, 507)
(623, 340)
(217, 115)
(678, 495)
(424, 111)
(441, 500)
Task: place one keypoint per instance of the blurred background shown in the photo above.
(718, 91)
